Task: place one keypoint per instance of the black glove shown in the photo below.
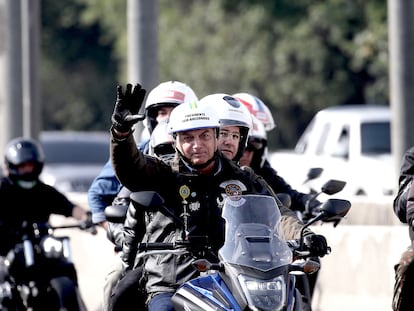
(316, 244)
(309, 206)
(88, 224)
(127, 106)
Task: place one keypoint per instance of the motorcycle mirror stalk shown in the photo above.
(313, 173)
(330, 187)
(332, 210)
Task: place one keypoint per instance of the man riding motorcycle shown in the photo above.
(193, 188)
(27, 201)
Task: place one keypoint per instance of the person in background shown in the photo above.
(105, 187)
(403, 205)
(26, 199)
(29, 198)
(235, 124)
(194, 188)
(255, 153)
(258, 109)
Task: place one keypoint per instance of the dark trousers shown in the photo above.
(128, 293)
(161, 302)
(403, 299)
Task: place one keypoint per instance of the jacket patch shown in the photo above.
(184, 192)
(231, 188)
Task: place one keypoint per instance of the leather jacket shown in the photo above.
(410, 212)
(185, 192)
(279, 185)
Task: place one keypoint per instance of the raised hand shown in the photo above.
(127, 106)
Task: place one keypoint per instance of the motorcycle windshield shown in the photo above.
(254, 237)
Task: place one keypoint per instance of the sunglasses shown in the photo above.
(255, 144)
(164, 149)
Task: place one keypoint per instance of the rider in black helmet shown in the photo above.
(26, 199)
(30, 199)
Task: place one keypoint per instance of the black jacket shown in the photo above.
(202, 196)
(279, 185)
(410, 212)
(31, 205)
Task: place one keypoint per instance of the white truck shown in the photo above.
(350, 143)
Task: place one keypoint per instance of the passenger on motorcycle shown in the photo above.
(243, 139)
(255, 153)
(235, 124)
(194, 189)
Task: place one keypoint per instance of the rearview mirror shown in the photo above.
(333, 186)
(314, 173)
(335, 209)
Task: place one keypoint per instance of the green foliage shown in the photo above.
(78, 69)
(297, 56)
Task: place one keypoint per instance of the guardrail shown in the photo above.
(359, 273)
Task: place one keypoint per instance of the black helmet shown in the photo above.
(22, 150)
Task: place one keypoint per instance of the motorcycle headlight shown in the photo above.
(52, 247)
(264, 294)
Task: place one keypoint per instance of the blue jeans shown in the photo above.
(161, 302)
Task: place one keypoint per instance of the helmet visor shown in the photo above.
(255, 144)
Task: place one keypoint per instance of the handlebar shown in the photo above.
(90, 227)
(299, 251)
(163, 246)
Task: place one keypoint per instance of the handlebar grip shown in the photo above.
(156, 246)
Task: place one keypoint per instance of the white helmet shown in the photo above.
(170, 94)
(258, 109)
(161, 143)
(257, 143)
(192, 116)
(231, 113)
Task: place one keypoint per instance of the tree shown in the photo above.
(297, 56)
(78, 69)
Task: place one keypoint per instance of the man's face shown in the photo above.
(26, 168)
(163, 113)
(247, 157)
(253, 145)
(198, 146)
(228, 141)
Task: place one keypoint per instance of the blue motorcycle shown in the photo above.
(257, 266)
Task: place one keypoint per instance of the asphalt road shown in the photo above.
(92, 255)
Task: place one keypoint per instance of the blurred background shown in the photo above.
(297, 56)
(60, 62)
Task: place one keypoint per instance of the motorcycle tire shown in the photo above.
(67, 294)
